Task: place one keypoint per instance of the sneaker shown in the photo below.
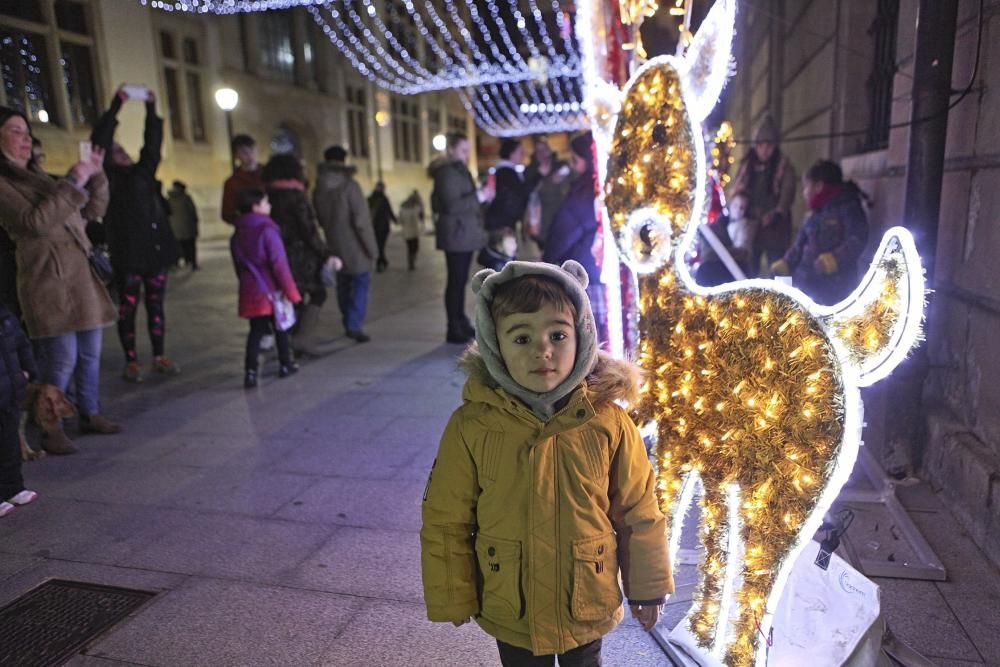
(6, 508)
(98, 424)
(132, 372)
(165, 366)
(359, 335)
(266, 342)
(58, 443)
(250, 380)
(288, 369)
(23, 498)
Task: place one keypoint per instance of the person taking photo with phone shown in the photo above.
(141, 241)
(64, 305)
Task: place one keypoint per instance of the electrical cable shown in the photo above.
(895, 126)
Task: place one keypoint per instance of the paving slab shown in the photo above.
(398, 633)
(230, 624)
(367, 562)
(95, 532)
(373, 503)
(919, 615)
(226, 545)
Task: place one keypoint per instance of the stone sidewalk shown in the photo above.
(280, 526)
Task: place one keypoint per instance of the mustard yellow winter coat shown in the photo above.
(526, 524)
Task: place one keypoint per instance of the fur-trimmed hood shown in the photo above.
(611, 380)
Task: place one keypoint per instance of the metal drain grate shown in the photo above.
(52, 622)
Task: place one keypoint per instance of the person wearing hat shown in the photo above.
(344, 215)
(574, 227)
(184, 222)
(542, 492)
(769, 179)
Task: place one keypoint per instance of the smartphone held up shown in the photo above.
(136, 92)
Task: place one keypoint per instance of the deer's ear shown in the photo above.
(480, 278)
(707, 64)
(576, 270)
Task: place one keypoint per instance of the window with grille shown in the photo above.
(31, 82)
(406, 129)
(277, 53)
(357, 120)
(183, 82)
(883, 33)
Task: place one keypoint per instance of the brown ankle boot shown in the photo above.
(58, 443)
(98, 424)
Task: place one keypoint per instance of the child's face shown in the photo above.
(263, 207)
(539, 348)
(737, 207)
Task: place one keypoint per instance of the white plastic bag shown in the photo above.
(284, 311)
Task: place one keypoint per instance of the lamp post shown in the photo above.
(227, 99)
(381, 120)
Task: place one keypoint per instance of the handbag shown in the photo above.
(98, 259)
(100, 263)
(281, 306)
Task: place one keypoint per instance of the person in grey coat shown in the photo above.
(458, 227)
(343, 213)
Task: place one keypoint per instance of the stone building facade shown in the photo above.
(63, 59)
(838, 77)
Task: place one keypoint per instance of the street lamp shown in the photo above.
(439, 142)
(227, 99)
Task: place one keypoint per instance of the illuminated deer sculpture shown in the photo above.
(753, 388)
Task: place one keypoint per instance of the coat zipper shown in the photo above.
(555, 477)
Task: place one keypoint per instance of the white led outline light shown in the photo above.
(904, 334)
(734, 565)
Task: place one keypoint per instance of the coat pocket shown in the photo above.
(500, 568)
(596, 593)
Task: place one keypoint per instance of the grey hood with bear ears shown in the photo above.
(573, 278)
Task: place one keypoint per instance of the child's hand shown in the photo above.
(459, 624)
(646, 615)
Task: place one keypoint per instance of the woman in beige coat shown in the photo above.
(64, 305)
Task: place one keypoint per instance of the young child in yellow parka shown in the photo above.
(542, 489)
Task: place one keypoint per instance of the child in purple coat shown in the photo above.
(262, 268)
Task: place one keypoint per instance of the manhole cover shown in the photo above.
(52, 622)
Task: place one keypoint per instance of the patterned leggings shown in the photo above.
(130, 287)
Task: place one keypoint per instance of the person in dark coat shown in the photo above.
(382, 216)
(141, 242)
(262, 269)
(184, 222)
(823, 261)
(343, 213)
(17, 368)
(458, 228)
(513, 189)
(768, 177)
(307, 251)
(574, 228)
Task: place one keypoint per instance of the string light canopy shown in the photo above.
(510, 73)
(753, 389)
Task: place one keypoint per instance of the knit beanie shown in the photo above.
(767, 131)
(573, 278)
